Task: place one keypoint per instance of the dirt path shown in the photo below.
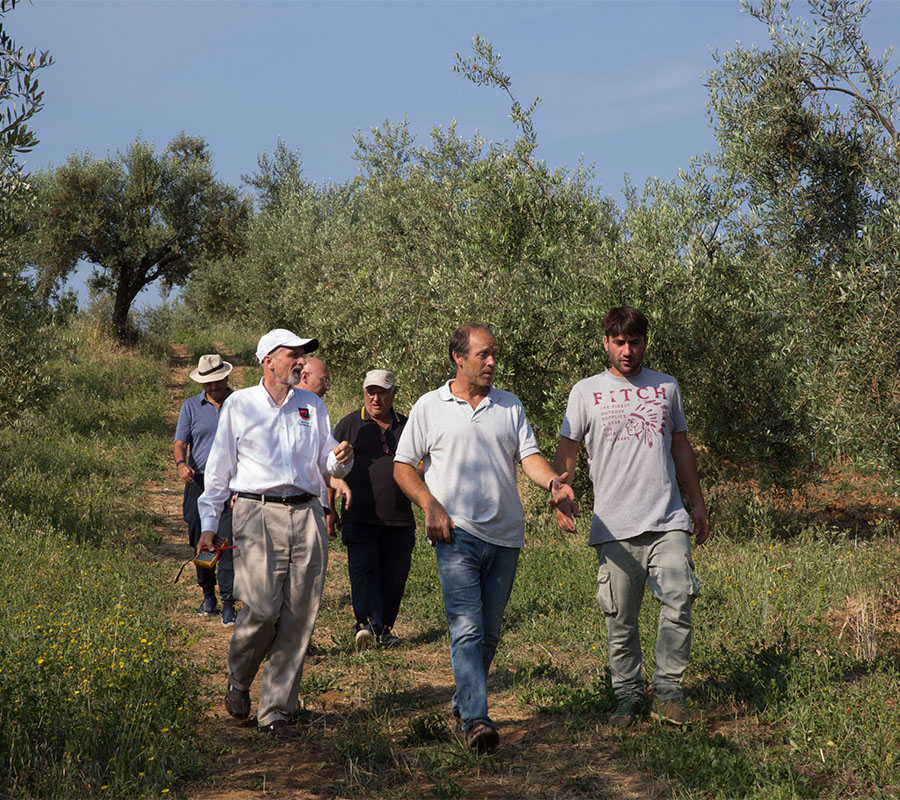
(539, 756)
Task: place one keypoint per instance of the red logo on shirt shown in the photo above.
(304, 413)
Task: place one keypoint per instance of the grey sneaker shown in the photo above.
(237, 702)
(627, 709)
(387, 639)
(364, 637)
(676, 710)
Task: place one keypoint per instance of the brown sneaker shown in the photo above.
(626, 712)
(237, 702)
(677, 711)
(280, 730)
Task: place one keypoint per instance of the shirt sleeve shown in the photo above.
(413, 444)
(220, 469)
(678, 420)
(183, 428)
(528, 444)
(328, 463)
(573, 424)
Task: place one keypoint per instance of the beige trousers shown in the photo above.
(280, 556)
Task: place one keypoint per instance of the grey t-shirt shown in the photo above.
(626, 425)
(470, 456)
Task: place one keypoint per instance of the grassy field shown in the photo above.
(107, 690)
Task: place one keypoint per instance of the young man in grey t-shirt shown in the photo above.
(632, 423)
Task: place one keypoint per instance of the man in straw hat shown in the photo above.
(194, 434)
(273, 446)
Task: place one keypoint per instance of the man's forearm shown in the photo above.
(686, 469)
(566, 456)
(411, 484)
(538, 470)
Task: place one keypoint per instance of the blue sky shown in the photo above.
(620, 82)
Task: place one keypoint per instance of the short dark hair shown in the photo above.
(625, 320)
(459, 341)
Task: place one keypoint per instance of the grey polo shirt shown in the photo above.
(470, 456)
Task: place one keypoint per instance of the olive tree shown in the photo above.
(137, 217)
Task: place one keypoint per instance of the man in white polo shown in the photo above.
(273, 444)
(469, 436)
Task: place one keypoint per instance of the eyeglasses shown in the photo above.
(384, 443)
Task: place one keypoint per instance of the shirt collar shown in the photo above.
(444, 393)
(260, 387)
(364, 415)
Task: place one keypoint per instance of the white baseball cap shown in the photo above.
(281, 337)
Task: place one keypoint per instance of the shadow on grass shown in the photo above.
(759, 675)
(712, 764)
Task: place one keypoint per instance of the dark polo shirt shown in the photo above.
(377, 500)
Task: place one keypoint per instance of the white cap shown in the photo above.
(281, 337)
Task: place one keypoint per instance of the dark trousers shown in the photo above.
(378, 560)
(206, 578)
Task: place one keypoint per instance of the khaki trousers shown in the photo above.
(662, 561)
(279, 572)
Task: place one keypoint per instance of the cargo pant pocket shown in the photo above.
(605, 598)
(695, 581)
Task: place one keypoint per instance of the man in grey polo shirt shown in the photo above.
(469, 436)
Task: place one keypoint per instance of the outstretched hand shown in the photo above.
(562, 498)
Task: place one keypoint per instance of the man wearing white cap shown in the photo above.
(272, 446)
(379, 529)
(194, 436)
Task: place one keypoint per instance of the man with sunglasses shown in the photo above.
(378, 529)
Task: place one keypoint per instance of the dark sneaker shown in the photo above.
(482, 738)
(364, 637)
(627, 709)
(237, 702)
(208, 606)
(228, 615)
(677, 711)
(279, 730)
(387, 639)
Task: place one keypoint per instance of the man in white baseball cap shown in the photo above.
(273, 446)
(281, 337)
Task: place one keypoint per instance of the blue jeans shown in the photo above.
(476, 581)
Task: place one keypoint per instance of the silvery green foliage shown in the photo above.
(20, 99)
(808, 140)
(137, 217)
(768, 269)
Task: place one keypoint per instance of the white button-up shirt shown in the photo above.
(265, 448)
